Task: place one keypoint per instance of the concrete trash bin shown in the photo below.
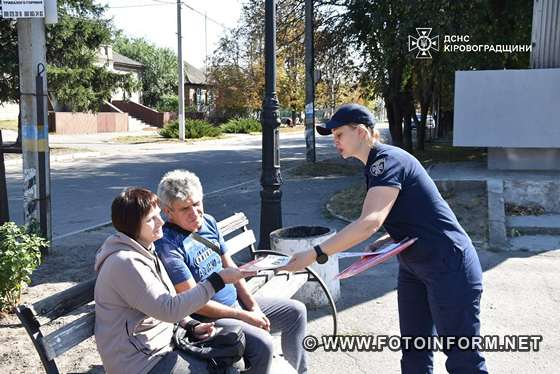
(290, 240)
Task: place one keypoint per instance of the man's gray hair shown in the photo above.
(178, 185)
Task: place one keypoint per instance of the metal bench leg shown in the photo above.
(314, 277)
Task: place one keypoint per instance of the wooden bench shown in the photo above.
(54, 308)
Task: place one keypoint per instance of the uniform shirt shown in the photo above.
(419, 211)
(185, 258)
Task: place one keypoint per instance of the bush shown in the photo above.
(242, 126)
(193, 129)
(20, 254)
(168, 103)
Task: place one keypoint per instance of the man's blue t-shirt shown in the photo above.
(185, 258)
(419, 211)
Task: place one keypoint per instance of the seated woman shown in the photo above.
(136, 305)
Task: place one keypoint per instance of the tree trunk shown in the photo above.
(421, 129)
(395, 122)
(18, 140)
(390, 118)
(408, 113)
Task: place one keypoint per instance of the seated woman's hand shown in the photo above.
(232, 274)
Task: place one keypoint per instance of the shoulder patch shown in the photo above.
(377, 168)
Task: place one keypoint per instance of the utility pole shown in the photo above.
(181, 113)
(271, 179)
(4, 208)
(34, 119)
(309, 84)
(205, 45)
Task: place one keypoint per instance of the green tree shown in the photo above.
(379, 30)
(160, 76)
(236, 76)
(237, 69)
(76, 81)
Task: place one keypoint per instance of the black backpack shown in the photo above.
(223, 351)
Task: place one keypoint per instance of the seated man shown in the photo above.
(188, 262)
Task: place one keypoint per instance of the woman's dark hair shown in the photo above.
(129, 209)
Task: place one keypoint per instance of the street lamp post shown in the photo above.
(271, 179)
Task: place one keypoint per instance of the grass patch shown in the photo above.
(9, 125)
(348, 202)
(435, 153)
(325, 169)
(141, 139)
(292, 130)
(64, 151)
(470, 207)
(519, 210)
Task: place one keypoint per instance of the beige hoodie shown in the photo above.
(136, 306)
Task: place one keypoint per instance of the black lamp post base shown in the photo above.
(271, 214)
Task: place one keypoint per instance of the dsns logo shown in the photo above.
(423, 43)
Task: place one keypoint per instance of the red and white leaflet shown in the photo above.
(375, 258)
(379, 251)
(269, 262)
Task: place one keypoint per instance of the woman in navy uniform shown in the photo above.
(440, 277)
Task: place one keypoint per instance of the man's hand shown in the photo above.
(204, 330)
(300, 260)
(255, 318)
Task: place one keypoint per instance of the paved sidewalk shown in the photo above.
(103, 144)
(474, 170)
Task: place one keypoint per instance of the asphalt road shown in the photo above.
(82, 190)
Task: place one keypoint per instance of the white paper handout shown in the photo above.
(379, 251)
(269, 262)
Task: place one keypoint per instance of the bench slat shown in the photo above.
(258, 281)
(283, 285)
(69, 336)
(240, 242)
(230, 224)
(62, 303)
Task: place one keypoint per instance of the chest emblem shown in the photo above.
(377, 168)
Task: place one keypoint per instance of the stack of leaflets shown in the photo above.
(269, 262)
(370, 259)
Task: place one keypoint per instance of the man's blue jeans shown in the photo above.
(286, 316)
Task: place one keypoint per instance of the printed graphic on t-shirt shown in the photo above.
(378, 167)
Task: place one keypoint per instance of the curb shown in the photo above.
(61, 158)
(336, 215)
(86, 229)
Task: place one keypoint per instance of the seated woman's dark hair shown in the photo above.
(130, 207)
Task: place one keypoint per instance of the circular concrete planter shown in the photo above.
(295, 239)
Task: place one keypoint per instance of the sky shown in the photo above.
(156, 21)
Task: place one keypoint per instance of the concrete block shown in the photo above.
(497, 237)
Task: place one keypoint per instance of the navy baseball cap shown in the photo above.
(345, 115)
